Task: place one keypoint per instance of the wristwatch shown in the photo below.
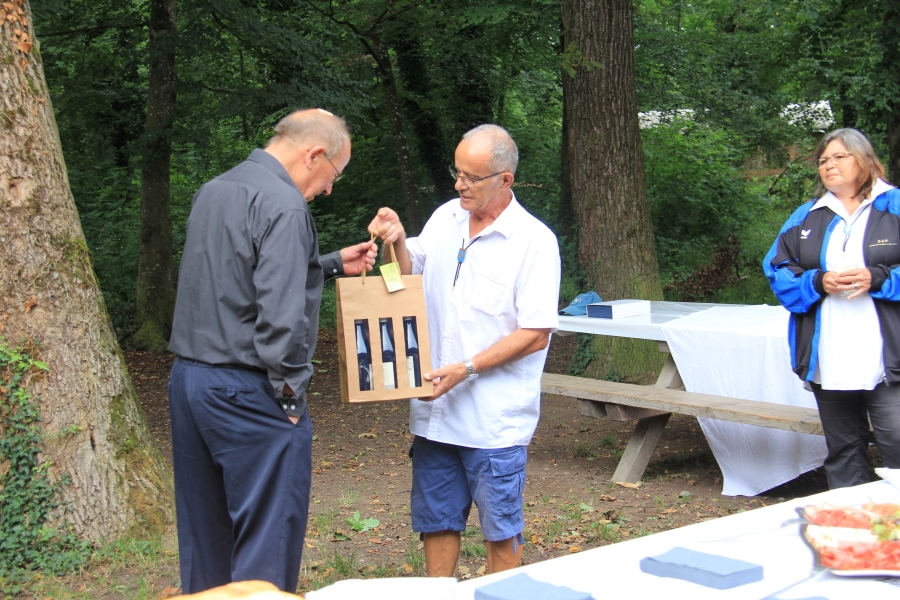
(470, 370)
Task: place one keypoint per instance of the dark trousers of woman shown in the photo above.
(845, 419)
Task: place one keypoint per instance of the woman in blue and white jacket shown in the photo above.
(836, 267)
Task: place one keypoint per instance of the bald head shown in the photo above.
(313, 126)
(504, 155)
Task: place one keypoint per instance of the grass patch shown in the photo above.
(415, 557)
(128, 568)
(472, 548)
(579, 449)
(348, 498)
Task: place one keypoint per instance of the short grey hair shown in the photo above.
(504, 152)
(313, 125)
(859, 146)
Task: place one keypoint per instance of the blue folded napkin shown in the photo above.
(523, 587)
(711, 570)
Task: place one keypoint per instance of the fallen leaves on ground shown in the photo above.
(626, 484)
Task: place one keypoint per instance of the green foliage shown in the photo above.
(242, 65)
(698, 194)
(583, 355)
(362, 525)
(573, 59)
(27, 493)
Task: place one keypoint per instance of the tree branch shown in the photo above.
(96, 29)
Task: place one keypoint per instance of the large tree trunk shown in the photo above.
(413, 209)
(609, 195)
(154, 300)
(890, 72)
(93, 425)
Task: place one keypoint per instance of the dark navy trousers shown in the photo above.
(242, 478)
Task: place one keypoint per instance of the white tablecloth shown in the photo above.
(742, 352)
(613, 572)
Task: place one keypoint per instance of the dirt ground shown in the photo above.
(361, 473)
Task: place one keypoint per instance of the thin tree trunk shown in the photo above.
(565, 216)
(890, 69)
(155, 295)
(848, 111)
(616, 246)
(94, 429)
(413, 74)
(413, 209)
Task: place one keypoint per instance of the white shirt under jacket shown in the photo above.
(851, 351)
(509, 280)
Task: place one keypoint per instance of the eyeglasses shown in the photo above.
(835, 159)
(338, 174)
(467, 181)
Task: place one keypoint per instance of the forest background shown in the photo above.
(152, 98)
(729, 90)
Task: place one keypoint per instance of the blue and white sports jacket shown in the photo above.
(794, 267)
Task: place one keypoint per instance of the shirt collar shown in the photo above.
(503, 224)
(831, 201)
(270, 162)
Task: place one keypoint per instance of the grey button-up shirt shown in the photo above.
(250, 281)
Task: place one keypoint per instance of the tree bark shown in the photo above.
(94, 428)
(154, 300)
(616, 247)
(413, 209)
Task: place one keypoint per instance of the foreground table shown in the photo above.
(613, 572)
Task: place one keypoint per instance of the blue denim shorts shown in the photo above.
(447, 478)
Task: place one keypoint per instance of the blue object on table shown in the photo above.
(711, 570)
(523, 587)
(578, 306)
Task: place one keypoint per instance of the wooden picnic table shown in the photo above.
(652, 406)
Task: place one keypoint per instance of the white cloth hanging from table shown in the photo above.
(742, 352)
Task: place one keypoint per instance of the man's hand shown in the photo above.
(518, 344)
(387, 226)
(355, 257)
(445, 379)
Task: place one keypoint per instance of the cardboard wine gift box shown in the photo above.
(383, 344)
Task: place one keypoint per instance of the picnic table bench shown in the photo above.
(651, 406)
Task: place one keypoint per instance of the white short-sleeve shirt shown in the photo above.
(508, 280)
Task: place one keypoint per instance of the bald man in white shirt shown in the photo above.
(491, 273)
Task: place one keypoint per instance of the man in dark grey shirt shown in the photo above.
(245, 328)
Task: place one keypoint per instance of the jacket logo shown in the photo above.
(804, 233)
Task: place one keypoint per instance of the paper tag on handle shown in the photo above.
(390, 272)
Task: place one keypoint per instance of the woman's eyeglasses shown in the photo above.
(835, 159)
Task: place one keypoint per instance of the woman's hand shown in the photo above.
(856, 280)
(829, 282)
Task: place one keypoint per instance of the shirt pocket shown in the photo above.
(490, 293)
